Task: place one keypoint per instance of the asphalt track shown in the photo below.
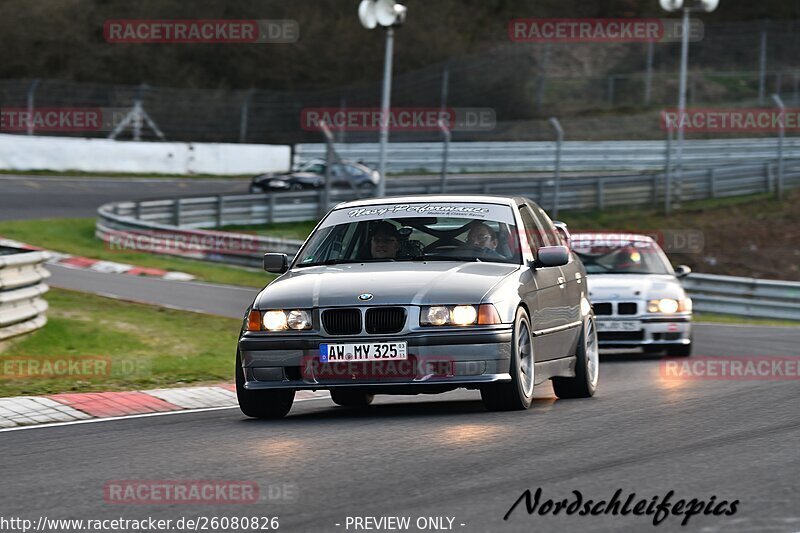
(429, 455)
(445, 455)
(30, 197)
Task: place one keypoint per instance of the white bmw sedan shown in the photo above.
(635, 293)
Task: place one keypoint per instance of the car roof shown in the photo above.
(611, 237)
(475, 198)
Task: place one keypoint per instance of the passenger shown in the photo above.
(384, 241)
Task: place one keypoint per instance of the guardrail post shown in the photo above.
(176, 212)
(541, 191)
(655, 189)
(768, 175)
(712, 183)
(271, 214)
(137, 210)
(220, 209)
(601, 200)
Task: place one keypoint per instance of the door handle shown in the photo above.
(561, 282)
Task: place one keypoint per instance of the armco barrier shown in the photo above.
(744, 296)
(22, 276)
(636, 156)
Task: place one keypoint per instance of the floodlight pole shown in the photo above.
(682, 100)
(386, 97)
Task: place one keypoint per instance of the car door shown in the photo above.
(545, 302)
(573, 283)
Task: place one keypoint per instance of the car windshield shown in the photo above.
(621, 257)
(414, 232)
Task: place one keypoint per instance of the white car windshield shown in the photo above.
(633, 257)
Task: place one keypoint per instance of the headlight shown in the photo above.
(464, 315)
(299, 319)
(275, 321)
(279, 320)
(669, 306)
(459, 315)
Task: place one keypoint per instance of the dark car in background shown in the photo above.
(311, 175)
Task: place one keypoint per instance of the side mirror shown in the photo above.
(561, 229)
(276, 263)
(552, 256)
(681, 271)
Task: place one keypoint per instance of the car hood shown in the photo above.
(416, 283)
(604, 287)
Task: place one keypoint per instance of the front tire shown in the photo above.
(584, 383)
(351, 398)
(516, 395)
(266, 404)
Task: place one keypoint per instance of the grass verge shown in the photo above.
(716, 318)
(76, 236)
(137, 347)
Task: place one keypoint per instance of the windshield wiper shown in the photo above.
(440, 257)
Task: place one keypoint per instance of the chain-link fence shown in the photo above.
(606, 90)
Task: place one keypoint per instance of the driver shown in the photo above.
(385, 241)
(483, 238)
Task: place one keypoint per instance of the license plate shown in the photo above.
(368, 351)
(619, 325)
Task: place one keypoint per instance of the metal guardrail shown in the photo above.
(744, 296)
(179, 226)
(636, 156)
(22, 309)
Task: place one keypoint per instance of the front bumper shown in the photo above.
(653, 331)
(441, 359)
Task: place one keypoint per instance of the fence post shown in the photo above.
(611, 89)
(137, 209)
(762, 63)
(31, 96)
(781, 130)
(220, 208)
(244, 114)
(445, 154)
(648, 76)
(668, 174)
(559, 139)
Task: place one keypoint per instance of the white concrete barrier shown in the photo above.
(22, 152)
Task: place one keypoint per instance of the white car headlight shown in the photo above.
(669, 306)
(437, 315)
